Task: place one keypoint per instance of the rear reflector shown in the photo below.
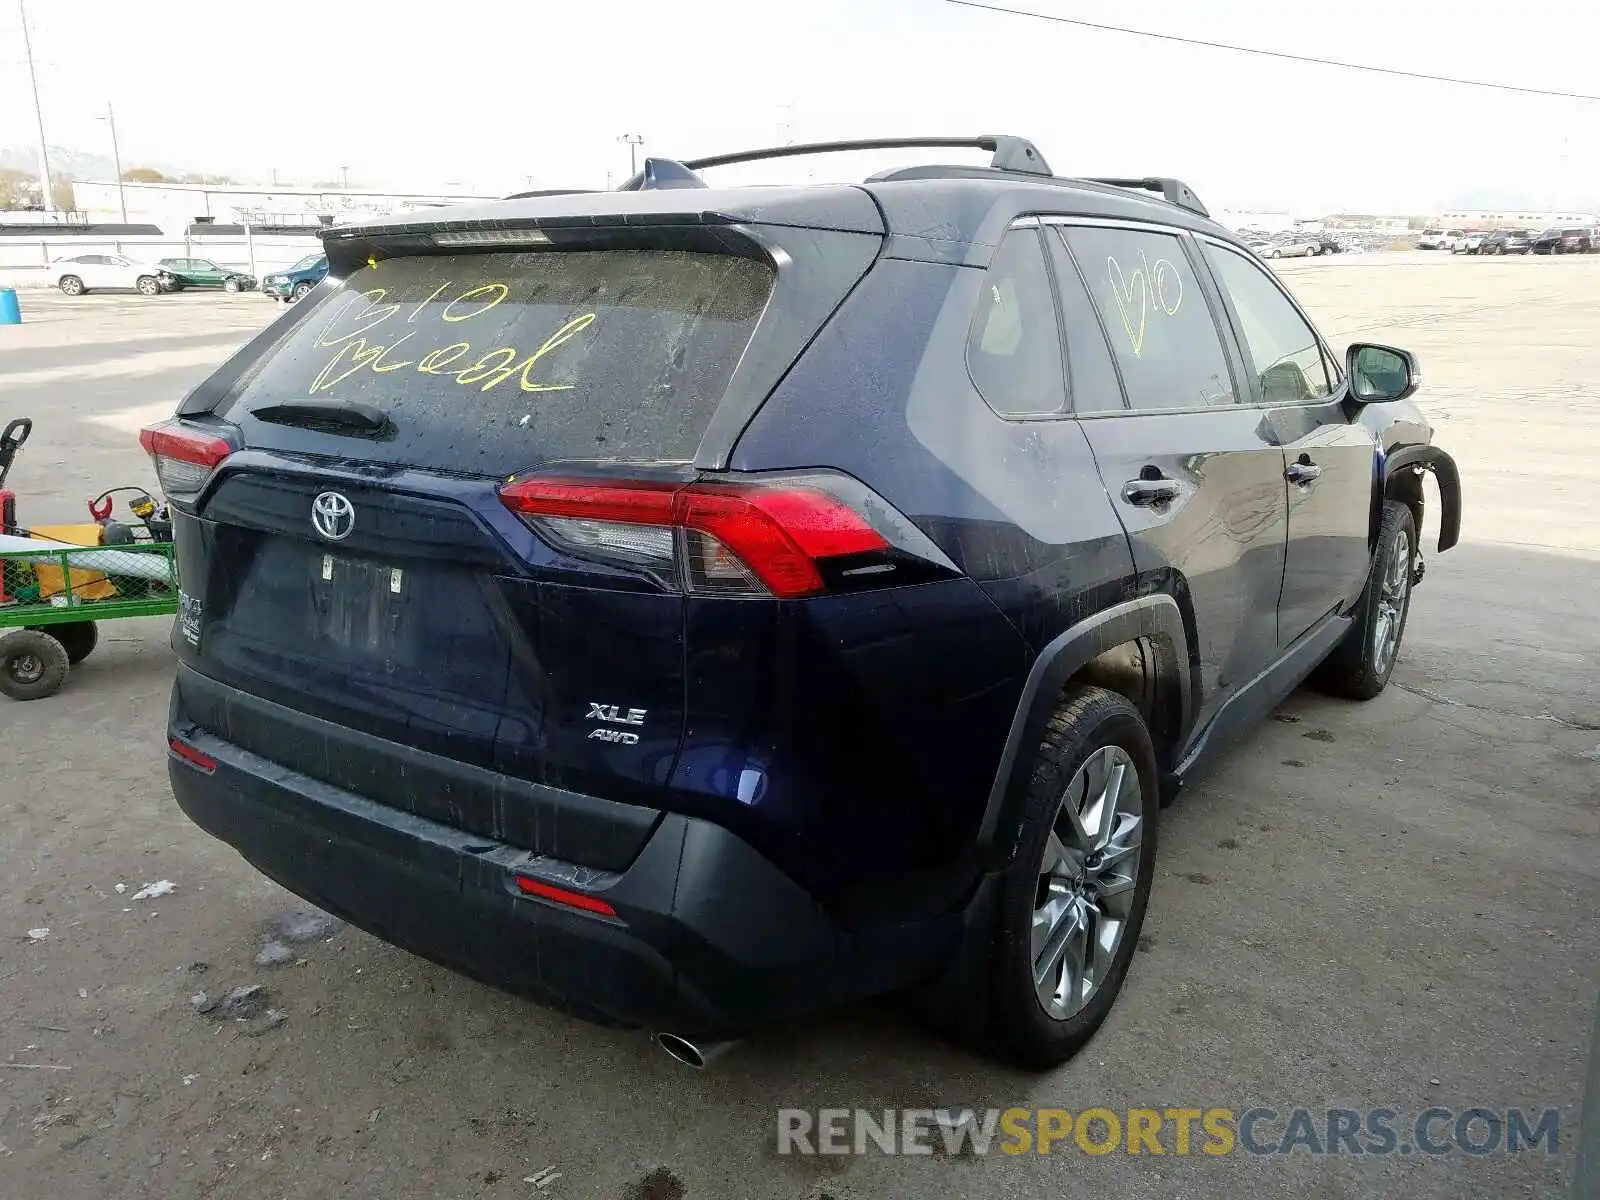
(730, 538)
(184, 458)
(192, 756)
(545, 891)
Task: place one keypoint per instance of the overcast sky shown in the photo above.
(493, 93)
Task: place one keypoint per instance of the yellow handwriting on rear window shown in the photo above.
(362, 338)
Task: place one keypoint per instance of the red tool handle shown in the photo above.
(100, 509)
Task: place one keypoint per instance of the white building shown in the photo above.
(1479, 218)
(173, 207)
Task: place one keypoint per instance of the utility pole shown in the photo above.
(344, 178)
(116, 160)
(634, 141)
(45, 197)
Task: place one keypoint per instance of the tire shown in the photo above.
(77, 638)
(1359, 667)
(300, 289)
(1091, 734)
(147, 285)
(1313, 251)
(71, 285)
(1276, 254)
(230, 285)
(33, 665)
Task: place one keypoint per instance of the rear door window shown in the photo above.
(494, 363)
(1156, 316)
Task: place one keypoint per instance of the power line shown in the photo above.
(1279, 54)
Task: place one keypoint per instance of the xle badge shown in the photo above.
(614, 715)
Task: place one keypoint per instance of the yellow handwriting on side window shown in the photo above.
(1147, 288)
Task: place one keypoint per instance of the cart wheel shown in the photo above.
(78, 638)
(33, 665)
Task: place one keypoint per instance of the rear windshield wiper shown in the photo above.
(333, 416)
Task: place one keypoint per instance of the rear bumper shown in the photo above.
(709, 938)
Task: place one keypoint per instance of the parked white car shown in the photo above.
(98, 272)
(1432, 239)
(1293, 246)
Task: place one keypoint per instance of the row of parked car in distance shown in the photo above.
(83, 273)
(1578, 240)
(1296, 245)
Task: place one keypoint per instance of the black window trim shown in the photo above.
(1099, 323)
(1338, 384)
(1232, 354)
(1026, 221)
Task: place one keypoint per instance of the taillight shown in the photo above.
(787, 537)
(184, 457)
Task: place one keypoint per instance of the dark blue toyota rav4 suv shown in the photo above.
(698, 606)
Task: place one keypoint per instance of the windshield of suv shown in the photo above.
(309, 261)
(493, 363)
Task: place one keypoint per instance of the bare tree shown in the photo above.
(18, 189)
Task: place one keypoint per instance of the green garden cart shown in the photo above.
(53, 596)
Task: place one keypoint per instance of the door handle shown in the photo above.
(1145, 492)
(1303, 472)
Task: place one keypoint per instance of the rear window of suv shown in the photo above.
(494, 363)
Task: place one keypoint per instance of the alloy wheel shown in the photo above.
(1394, 593)
(1087, 881)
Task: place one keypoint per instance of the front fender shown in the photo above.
(1443, 467)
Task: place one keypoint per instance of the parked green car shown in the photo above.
(203, 273)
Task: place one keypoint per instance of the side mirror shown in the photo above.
(1381, 374)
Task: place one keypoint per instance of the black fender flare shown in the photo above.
(1156, 617)
(1431, 458)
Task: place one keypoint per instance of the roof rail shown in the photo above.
(1173, 191)
(1010, 153)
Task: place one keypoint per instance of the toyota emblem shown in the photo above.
(333, 516)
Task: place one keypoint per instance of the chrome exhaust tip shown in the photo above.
(698, 1055)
